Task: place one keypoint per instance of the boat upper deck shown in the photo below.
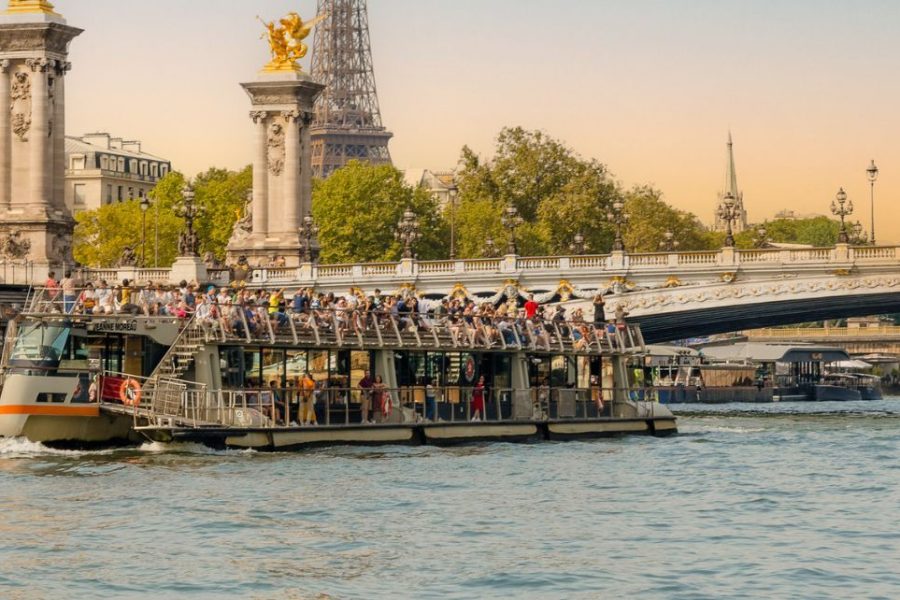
(252, 323)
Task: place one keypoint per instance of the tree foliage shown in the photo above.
(101, 235)
(650, 218)
(357, 210)
(816, 231)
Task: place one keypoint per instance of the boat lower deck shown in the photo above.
(425, 433)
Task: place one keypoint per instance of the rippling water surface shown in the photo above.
(774, 501)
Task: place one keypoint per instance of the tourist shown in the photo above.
(478, 400)
(382, 398)
(599, 312)
(87, 300)
(307, 406)
(69, 295)
(531, 307)
(365, 386)
(430, 400)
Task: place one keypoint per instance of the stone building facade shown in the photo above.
(101, 170)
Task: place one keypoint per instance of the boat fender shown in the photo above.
(130, 392)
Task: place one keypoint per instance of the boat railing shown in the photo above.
(375, 329)
(338, 406)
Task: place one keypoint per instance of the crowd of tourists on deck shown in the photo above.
(243, 311)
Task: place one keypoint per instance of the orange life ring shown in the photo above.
(130, 392)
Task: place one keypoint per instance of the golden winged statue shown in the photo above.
(286, 40)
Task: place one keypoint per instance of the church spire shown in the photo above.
(731, 186)
(731, 191)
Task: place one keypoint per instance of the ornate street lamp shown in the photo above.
(728, 212)
(578, 245)
(188, 242)
(490, 248)
(308, 232)
(669, 243)
(761, 239)
(145, 204)
(872, 173)
(858, 237)
(511, 220)
(407, 232)
(842, 208)
(618, 218)
(452, 194)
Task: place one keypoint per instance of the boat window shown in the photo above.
(50, 397)
(273, 366)
(39, 345)
(295, 365)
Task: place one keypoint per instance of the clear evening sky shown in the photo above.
(808, 88)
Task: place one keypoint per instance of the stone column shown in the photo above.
(37, 140)
(291, 191)
(260, 175)
(59, 136)
(5, 138)
(305, 165)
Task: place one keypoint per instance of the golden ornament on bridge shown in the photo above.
(286, 41)
(30, 6)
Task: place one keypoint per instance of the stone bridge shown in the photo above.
(673, 295)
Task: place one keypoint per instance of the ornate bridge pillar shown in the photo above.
(282, 108)
(35, 224)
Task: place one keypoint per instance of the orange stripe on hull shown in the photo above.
(50, 410)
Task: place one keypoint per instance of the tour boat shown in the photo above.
(251, 378)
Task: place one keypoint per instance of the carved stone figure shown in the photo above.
(20, 94)
(15, 247)
(240, 272)
(128, 259)
(276, 149)
(211, 262)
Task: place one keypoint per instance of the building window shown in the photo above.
(77, 162)
(140, 193)
(80, 194)
(122, 164)
(109, 193)
(154, 170)
(119, 197)
(104, 163)
(132, 166)
(164, 170)
(143, 168)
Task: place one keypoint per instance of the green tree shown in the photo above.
(357, 210)
(102, 235)
(650, 217)
(815, 231)
(556, 192)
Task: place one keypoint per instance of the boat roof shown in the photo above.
(766, 353)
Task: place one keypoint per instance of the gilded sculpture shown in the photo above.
(286, 40)
(30, 6)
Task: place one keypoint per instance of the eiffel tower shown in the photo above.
(347, 124)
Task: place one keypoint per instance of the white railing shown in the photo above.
(552, 267)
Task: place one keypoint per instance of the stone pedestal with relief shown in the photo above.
(35, 225)
(282, 112)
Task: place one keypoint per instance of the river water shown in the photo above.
(772, 501)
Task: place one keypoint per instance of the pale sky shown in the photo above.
(649, 87)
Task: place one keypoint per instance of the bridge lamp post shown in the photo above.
(452, 194)
(618, 218)
(841, 207)
(578, 245)
(490, 248)
(728, 212)
(761, 240)
(859, 237)
(511, 220)
(407, 232)
(308, 231)
(188, 242)
(669, 243)
(145, 204)
(872, 173)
